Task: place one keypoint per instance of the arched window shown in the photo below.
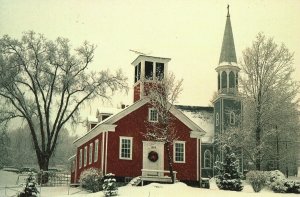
(232, 118)
(217, 119)
(224, 79)
(231, 80)
(218, 81)
(217, 163)
(207, 159)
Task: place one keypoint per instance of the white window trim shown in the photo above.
(174, 151)
(217, 119)
(210, 159)
(149, 115)
(91, 153)
(80, 158)
(120, 147)
(96, 150)
(85, 156)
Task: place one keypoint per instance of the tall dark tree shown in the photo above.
(269, 91)
(47, 81)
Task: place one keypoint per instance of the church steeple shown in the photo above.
(228, 50)
(227, 68)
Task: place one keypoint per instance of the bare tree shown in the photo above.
(162, 95)
(269, 91)
(44, 80)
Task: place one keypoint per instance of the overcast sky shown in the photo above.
(190, 32)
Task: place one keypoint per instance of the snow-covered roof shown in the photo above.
(109, 110)
(203, 117)
(109, 123)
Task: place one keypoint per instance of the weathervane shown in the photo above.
(228, 15)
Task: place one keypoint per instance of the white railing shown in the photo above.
(156, 175)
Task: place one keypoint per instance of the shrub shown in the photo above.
(109, 185)
(257, 179)
(91, 179)
(276, 181)
(292, 187)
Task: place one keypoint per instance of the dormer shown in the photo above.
(147, 70)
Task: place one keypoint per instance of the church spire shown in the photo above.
(228, 50)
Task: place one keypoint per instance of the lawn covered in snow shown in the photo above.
(151, 190)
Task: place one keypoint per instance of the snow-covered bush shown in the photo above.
(110, 185)
(276, 181)
(257, 179)
(292, 187)
(91, 179)
(229, 178)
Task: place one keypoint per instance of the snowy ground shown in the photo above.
(151, 190)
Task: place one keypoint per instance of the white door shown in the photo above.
(153, 158)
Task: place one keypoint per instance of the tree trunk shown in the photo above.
(43, 160)
(170, 162)
(258, 143)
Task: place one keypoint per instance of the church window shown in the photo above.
(85, 156)
(160, 71)
(126, 148)
(217, 119)
(224, 79)
(153, 116)
(179, 151)
(207, 159)
(137, 72)
(218, 81)
(91, 153)
(149, 70)
(96, 150)
(218, 161)
(236, 80)
(231, 80)
(80, 158)
(232, 118)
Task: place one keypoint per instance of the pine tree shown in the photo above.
(229, 177)
(110, 186)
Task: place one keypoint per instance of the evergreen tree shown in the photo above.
(110, 186)
(229, 177)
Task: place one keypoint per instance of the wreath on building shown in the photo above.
(153, 156)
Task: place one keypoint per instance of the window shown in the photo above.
(85, 156)
(218, 161)
(217, 119)
(137, 72)
(224, 79)
(126, 148)
(232, 118)
(80, 158)
(231, 80)
(218, 81)
(96, 150)
(153, 117)
(207, 159)
(149, 70)
(160, 71)
(179, 152)
(91, 153)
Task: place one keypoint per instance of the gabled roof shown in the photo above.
(203, 117)
(109, 123)
(228, 49)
